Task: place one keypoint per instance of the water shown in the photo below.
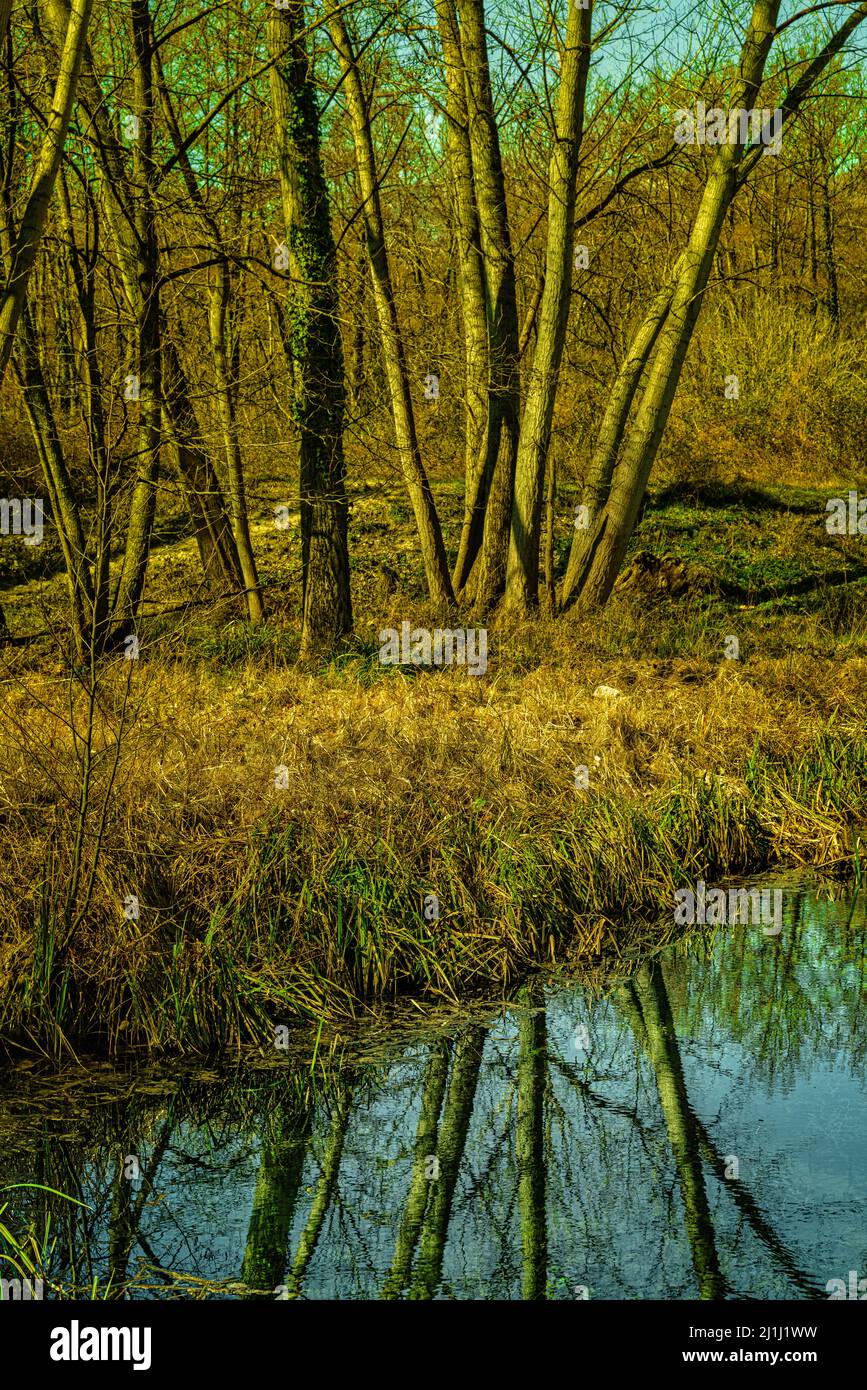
(696, 1130)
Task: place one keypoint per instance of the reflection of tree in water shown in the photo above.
(532, 1070)
(551, 1169)
(777, 996)
(645, 1001)
(284, 1142)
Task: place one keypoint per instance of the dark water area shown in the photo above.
(693, 1127)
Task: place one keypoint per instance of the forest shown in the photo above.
(430, 436)
(433, 672)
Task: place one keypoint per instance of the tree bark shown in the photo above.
(417, 484)
(146, 306)
(472, 293)
(500, 443)
(597, 482)
(23, 254)
(522, 582)
(317, 351)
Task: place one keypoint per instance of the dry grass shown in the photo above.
(260, 905)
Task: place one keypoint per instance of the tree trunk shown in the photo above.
(472, 294)
(550, 525)
(316, 347)
(23, 254)
(214, 538)
(833, 300)
(217, 322)
(619, 515)
(58, 483)
(597, 481)
(356, 356)
(522, 582)
(500, 443)
(427, 522)
(146, 304)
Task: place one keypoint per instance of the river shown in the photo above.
(694, 1126)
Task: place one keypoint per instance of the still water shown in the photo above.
(694, 1126)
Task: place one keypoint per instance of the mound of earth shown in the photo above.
(656, 576)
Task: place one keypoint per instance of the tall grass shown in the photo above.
(284, 927)
(802, 400)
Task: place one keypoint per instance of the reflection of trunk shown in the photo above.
(417, 484)
(648, 993)
(522, 583)
(121, 1233)
(284, 1144)
(316, 346)
(324, 1188)
(751, 1212)
(436, 1075)
(532, 1066)
(22, 256)
(736, 1188)
(126, 1214)
(503, 407)
(451, 1140)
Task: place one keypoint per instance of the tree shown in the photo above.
(603, 549)
(316, 347)
(496, 474)
(415, 477)
(20, 255)
(522, 584)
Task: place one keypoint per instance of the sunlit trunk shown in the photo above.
(522, 581)
(22, 257)
(394, 357)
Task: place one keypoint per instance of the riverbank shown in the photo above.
(265, 846)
